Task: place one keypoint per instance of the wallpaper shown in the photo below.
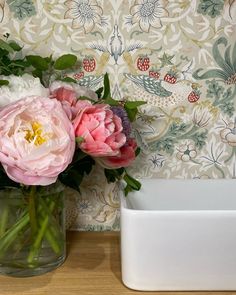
(177, 55)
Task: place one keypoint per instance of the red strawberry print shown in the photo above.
(193, 96)
(143, 63)
(170, 79)
(89, 64)
(154, 74)
(78, 76)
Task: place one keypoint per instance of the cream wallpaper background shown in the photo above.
(179, 56)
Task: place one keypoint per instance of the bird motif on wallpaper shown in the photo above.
(90, 81)
(162, 93)
(115, 46)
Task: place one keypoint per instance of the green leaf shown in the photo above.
(20, 63)
(38, 73)
(4, 82)
(107, 89)
(111, 102)
(128, 189)
(113, 175)
(5, 46)
(37, 62)
(133, 183)
(99, 92)
(71, 178)
(131, 114)
(82, 164)
(131, 108)
(137, 152)
(79, 139)
(15, 46)
(65, 61)
(133, 104)
(78, 155)
(68, 80)
(3, 52)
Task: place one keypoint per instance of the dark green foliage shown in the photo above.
(5, 181)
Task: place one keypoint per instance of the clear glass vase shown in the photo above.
(32, 230)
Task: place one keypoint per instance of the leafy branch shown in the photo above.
(45, 68)
(224, 99)
(177, 132)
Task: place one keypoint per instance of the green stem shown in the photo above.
(41, 232)
(53, 241)
(53, 231)
(4, 220)
(32, 211)
(11, 234)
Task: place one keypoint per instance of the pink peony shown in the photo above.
(36, 140)
(68, 94)
(123, 159)
(99, 130)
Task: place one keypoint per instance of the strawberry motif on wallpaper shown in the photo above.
(163, 88)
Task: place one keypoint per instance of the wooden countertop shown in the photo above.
(92, 267)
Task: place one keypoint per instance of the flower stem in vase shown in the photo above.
(3, 220)
(43, 224)
(32, 211)
(53, 232)
(11, 234)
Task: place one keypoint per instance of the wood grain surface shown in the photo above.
(92, 267)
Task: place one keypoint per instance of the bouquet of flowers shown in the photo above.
(52, 132)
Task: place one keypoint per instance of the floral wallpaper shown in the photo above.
(178, 56)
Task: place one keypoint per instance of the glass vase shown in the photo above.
(32, 230)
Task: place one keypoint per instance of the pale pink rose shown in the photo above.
(99, 131)
(65, 94)
(37, 140)
(123, 159)
(68, 94)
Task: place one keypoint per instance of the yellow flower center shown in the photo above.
(35, 135)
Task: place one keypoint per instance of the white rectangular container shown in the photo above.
(179, 235)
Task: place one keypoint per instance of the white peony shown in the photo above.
(20, 87)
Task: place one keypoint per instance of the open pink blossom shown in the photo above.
(98, 130)
(68, 94)
(123, 159)
(37, 140)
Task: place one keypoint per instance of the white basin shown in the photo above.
(179, 235)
